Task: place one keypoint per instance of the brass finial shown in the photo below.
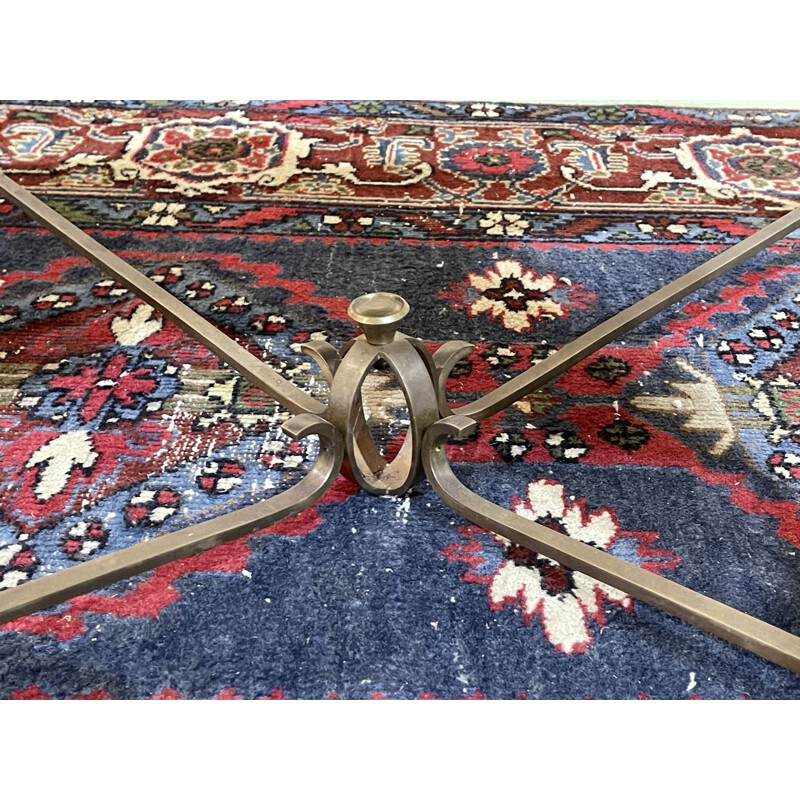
(378, 314)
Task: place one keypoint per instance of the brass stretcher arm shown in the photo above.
(233, 354)
(621, 323)
(41, 593)
(759, 637)
(766, 640)
(775, 644)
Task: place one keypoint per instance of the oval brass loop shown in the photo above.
(345, 408)
(345, 411)
(327, 359)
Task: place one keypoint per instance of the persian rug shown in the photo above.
(516, 227)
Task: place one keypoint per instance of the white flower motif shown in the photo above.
(16, 565)
(675, 228)
(786, 465)
(200, 289)
(282, 455)
(109, 288)
(56, 300)
(164, 214)
(499, 223)
(484, 110)
(563, 599)
(515, 295)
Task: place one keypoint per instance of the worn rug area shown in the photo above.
(516, 227)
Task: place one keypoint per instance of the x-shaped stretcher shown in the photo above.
(345, 439)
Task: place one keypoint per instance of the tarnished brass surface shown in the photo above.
(345, 408)
(343, 431)
(379, 315)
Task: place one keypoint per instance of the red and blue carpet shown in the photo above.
(516, 227)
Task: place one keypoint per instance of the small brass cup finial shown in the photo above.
(378, 314)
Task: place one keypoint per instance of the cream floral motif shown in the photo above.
(518, 296)
(562, 598)
(498, 223)
(744, 164)
(484, 110)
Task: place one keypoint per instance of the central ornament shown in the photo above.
(421, 376)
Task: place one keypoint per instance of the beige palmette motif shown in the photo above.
(700, 401)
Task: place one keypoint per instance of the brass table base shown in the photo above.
(344, 435)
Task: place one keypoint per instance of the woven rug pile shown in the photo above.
(516, 227)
